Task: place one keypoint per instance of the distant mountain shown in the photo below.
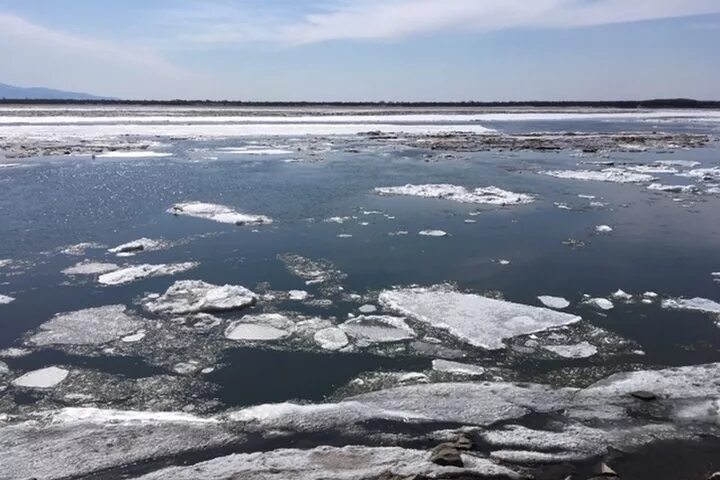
(10, 92)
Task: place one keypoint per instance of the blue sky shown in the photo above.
(365, 49)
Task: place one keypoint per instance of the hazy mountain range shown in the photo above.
(11, 92)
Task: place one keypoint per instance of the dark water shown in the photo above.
(658, 244)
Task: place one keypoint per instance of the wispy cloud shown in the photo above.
(29, 52)
(390, 19)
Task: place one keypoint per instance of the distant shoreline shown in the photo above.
(623, 104)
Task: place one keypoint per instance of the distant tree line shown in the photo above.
(624, 104)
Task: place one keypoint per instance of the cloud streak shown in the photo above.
(391, 19)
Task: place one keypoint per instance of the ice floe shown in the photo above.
(298, 295)
(88, 267)
(139, 272)
(433, 233)
(256, 150)
(557, 303)
(140, 245)
(696, 304)
(616, 175)
(80, 248)
(603, 229)
(4, 299)
(139, 154)
(580, 350)
(43, 378)
(91, 326)
(481, 321)
(367, 308)
(337, 463)
(457, 368)
(195, 296)
(484, 195)
(331, 338)
(217, 213)
(262, 327)
(601, 303)
(672, 188)
(370, 329)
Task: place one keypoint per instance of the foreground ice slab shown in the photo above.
(139, 272)
(217, 213)
(195, 296)
(616, 175)
(481, 321)
(486, 195)
(321, 463)
(262, 327)
(91, 326)
(370, 329)
(43, 378)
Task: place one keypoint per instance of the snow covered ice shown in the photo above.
(481, 321)
(486, 195)
(139, 272)
(195, 296)
(616, 175)
(217, 213)
(557, 303)
(43, 378)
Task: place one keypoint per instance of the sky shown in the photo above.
(365, 50)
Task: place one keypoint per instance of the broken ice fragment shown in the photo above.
(217, 213)
(557, 303)
(446, 366)
(140, 245)
(91, 326)
(601, 303)
(697, 304)
(139, 272)
(370, 329)
(262, 327)
(298, 295)
(4, 299)
(195, 296)
(487, 195)
(481, 321)
(432, 233)
(603, 229)
(616, 175)
(43, 378)
(331, 338)
(580, 350)
(88, 267)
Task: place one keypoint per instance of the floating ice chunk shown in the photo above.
(672, 188)
(469, 220)
(80, 248)
(186, 368)
(4, 299)
(312, 271)
(91, 326)
(697, 304)
(298, 295)
(262, 327)
(486, 195)
(370, 329)
(601, 303)
(504, 262)
(446, 366)
(622, 295)
(557, 303)
(680, 382)
(399, 233)
(344, 235)
(139, 272)
(586, 197)
(14, 352)
(616, 175)
(481, 321)
(580, 350)
(195, 296)
(136, 337)
(679, 163)
(5, 262)
(331, 338)
(140, 245)
(217, 213)
(339, 220)
(88, 267)
(139, 154)
(603, 229)
(346, 463)
(4, 369)
(433, 233)
(43, 378)
(256, 150)
(367, 309)
(652, 169)
(702, 173)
